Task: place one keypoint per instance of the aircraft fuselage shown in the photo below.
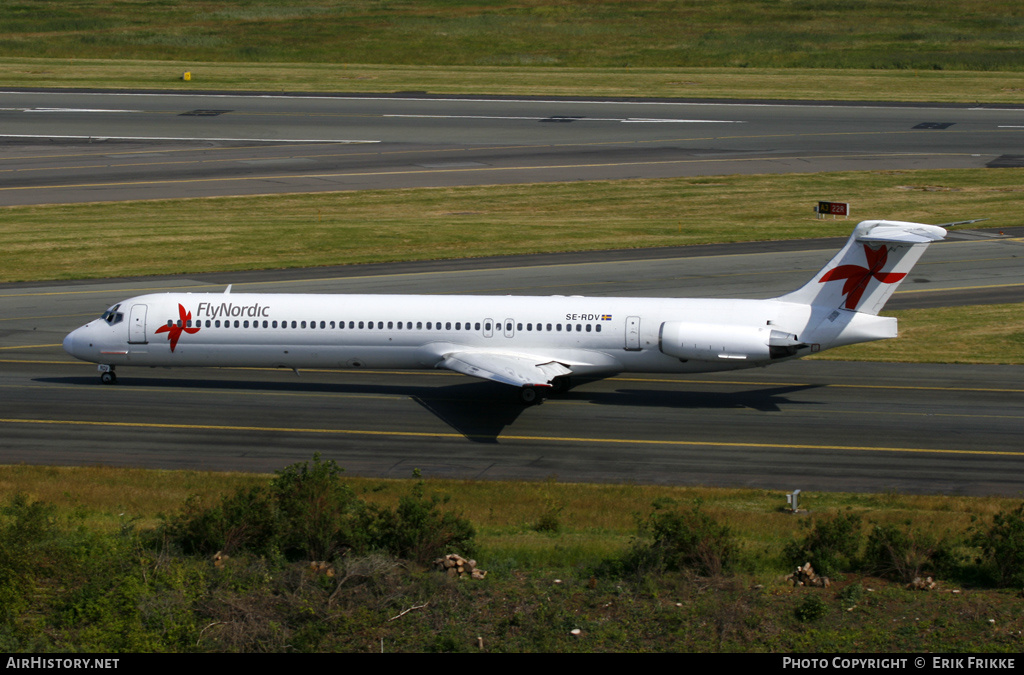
(595, 335)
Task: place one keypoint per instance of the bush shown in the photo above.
(244, 521)
(811, 608)
(250, 522)
(1002, 548)
(317, 512)
(831, 545)
(689, 539)
(418, 529)
(852, 594)
(30, 526)
(306, 513)
(550, 521)
(900, 554)
(309, 514)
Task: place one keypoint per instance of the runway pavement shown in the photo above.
(62, 147)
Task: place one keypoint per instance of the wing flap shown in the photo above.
(518, 371)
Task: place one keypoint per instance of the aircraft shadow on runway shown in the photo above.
(765, 400)
(476, 409)
(481, 410)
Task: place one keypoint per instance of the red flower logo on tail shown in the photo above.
(174, 330)
(857, 277)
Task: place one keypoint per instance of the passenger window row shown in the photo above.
(380, 325)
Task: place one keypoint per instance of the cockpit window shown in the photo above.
(112, 316)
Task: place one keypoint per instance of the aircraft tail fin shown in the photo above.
(871, 265)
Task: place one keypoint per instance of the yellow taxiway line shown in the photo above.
(452, 435)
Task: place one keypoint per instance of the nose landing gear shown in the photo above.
(107, 374)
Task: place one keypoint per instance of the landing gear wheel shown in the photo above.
(529, 395)
(109, 377)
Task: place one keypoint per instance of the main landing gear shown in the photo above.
(530, 396)
(107, 374)
(535, 395)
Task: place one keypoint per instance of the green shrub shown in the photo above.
(831, 545)
(244, 521)
(852, 594)
(689, 539)
(902, 554)
(955, 559)
(317, 512)
(250, 521)
(811, 608)
(194, 530)
(28, 527)
(417, 529)
(306, 513)
(1002, 548)
(309, 514)
(550, 521)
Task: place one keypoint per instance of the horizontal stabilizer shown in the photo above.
(891, 231)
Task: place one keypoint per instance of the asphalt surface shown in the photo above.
(62, 147)
(810, 425)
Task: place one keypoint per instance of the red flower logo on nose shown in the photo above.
(857, 277)
(174, 330)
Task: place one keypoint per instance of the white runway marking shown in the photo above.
(557, 118)
(66, 110)
(187, 138)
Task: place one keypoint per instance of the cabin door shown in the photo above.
(137, 325)
(633, 333)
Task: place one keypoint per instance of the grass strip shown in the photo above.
(940, 86)
(974, 334)
(112, 495)
(979, 35)
(82, 241)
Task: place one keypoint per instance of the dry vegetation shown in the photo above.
(690, 83)
(98, 570)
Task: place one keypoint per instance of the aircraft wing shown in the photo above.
(518, 371)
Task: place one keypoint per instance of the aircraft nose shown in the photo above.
(69, 342)
(73, 343)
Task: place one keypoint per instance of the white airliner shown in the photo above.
(533, 343)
